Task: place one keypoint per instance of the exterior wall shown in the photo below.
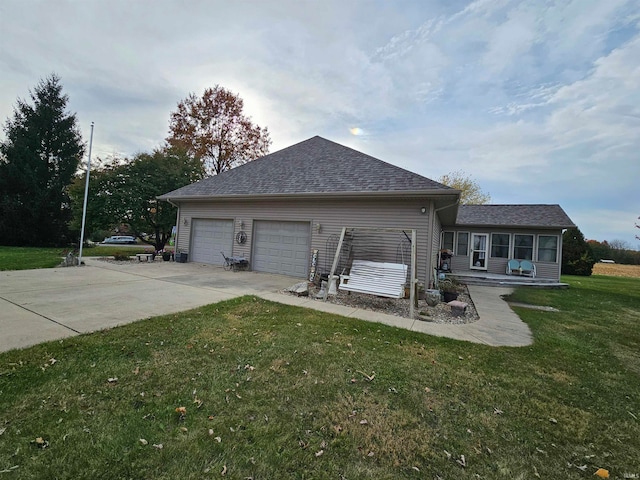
(550, 270)
(332, 215)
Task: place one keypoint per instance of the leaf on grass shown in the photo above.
(112, 379)
(448, 455)
(41, 442)
(2, 430)
(136, 371)
(181, 410)
(462, 462)
(427, 389)
(52, 361)
(319, 453)
(393, 390)
(416, 469)
(224, 470)
(218, 439)
(497, 411)
(159, 446)
(553, 420)
(602, 473)
(211, 431)
(184, 429)
(368, 377)
(143, 441)
(364, 422)
(370, 454)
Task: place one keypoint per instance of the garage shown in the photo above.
(209, 238)
(281, 247)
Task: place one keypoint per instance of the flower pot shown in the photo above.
(449, 296)
(166, 256)
(432, 297)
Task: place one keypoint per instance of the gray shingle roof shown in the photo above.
(545, 216)
(313, 166)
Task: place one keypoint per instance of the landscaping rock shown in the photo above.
(300, 289)
(457, 308)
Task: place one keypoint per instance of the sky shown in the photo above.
(537, 101)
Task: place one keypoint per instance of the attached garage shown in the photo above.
(281, 247)
(209, 238)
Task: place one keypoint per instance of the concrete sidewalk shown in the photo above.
(50, 304)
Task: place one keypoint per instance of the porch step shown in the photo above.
(505, 281)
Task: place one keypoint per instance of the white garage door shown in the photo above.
(209, 238)
(281, 247)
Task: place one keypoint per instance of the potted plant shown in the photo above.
(449, 288)
(166, 256)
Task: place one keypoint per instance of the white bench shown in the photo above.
(149, 257)
(375, 278)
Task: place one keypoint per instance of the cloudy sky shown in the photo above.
(538, 101)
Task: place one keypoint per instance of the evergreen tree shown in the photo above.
(38, 161)
(577, 258)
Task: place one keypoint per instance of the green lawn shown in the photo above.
(279, 392)
(26, 258)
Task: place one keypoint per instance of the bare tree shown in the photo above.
(471, 194)
(214, 129)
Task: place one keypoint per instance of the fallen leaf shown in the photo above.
(553, 420)
(184, 429)
(427, 389)
(143, 441)
(181, 410)
(364, 422)
(224, 470)
(448, 455)
(159, 446)
(416, 469)
(2, 430)
(112, 379)
(41, 442)
(319, 453)
(211, 431)
(218, 439)
(462, 462)
(136, 371)
(370, 454)
(497, 411)
(602, 473)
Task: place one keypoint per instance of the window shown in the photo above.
(462, 247)
(500, 245)
(547, 248)
(523, 247)
(447, 240)
(479, 251)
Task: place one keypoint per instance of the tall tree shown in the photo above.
(38, 161)
(124, 194)
(577, 258)
(471, 194)
(214, 129)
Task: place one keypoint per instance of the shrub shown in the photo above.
(121, 256)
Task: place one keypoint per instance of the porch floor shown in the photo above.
(502, 280)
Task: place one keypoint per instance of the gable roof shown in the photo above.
(541, 216)
(314, 166)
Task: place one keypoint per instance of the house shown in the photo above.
(485, 237)
(285, 211)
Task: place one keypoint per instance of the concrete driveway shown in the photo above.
(50, 304)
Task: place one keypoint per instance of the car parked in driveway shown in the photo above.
(120, 239)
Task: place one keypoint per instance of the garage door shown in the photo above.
(209, 238)
(281, 247)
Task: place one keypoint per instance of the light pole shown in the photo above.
(86, 193)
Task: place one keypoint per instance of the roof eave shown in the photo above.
(316, 195)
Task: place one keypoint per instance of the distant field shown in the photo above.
(616, 270)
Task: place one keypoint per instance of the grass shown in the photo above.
(26, 258)
(274, 391)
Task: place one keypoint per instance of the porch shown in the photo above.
(502, 280)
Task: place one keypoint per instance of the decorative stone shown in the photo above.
(323, 289)
(300, 289)
(457, 308)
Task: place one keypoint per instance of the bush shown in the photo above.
(582, 266)
(121, 256)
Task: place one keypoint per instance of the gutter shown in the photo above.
(312, 195)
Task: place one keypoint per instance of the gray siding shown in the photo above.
(332, 215)
(550, 270)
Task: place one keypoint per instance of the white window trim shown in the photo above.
(537, 242)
